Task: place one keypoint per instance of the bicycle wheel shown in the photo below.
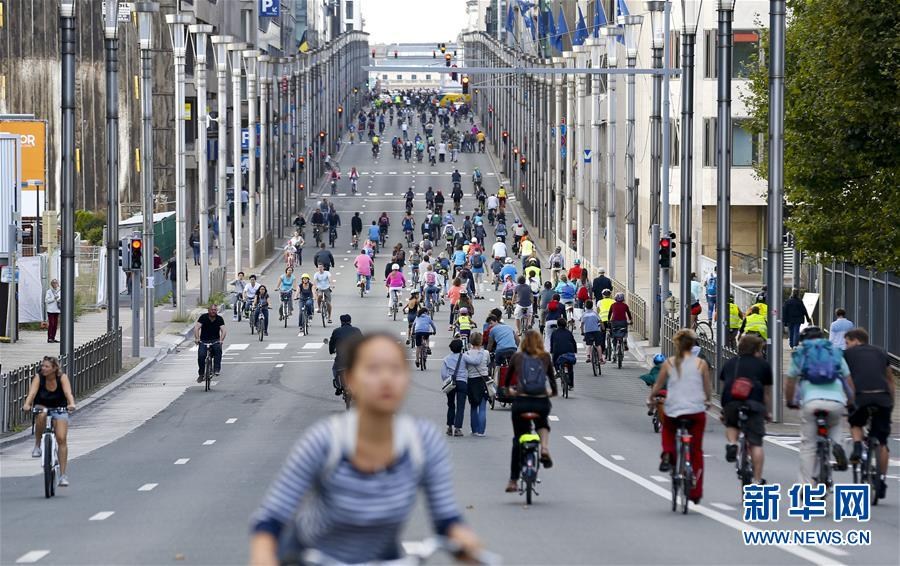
(704, 330)
(322, 311)
(565, 384)
(260, 328)
(595, 360)
(656, 423)
(620, 354)
(49, 488)
(207, 370)
(686, 483)
(873, 470)
(362, 289)
(284, 314)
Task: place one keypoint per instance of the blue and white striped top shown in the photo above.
(355, 516)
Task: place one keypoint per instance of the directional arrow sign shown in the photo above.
(587, 156)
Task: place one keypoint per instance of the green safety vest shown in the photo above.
(757, 323)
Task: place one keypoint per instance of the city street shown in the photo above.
(163, 472)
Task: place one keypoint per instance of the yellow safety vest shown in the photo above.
(734, 316)
(763, 309)
(465, 323)
(533, 272)
(603, 308)
(757, 323)
(501, 193)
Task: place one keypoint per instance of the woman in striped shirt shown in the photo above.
(357, 474)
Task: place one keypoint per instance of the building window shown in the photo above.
(384, 77)
(348, 10)
(412, 77)
(427, 77)
(744, 145)
(399, 77)
(348, 26)
(743, 57)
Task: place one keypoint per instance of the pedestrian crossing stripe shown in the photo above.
(313, 345)
(237, 347)
(276, 346)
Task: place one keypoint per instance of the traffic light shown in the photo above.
(395, 54)
(465, 85)
(443, 48)
(505, 136)
(373, 54)
(124, 254)
(301, 186)
(340, 110)
(523, 163)
(447, 58)
(321, 136)
(666, 250)
(302, 162)
(453, 75)
(137, 248)
(516, 150)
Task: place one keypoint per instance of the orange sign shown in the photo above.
(33, 137)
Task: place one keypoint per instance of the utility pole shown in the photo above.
(67, 177)
(665, 276)
(688, 39)
(632, 25)
(146, 10)
(250, 66)
(656, 8)
(612, 35)
(111, 41)
(201, 33)
(235, 51)
(220, 52)
(596, 49)
(264, 66)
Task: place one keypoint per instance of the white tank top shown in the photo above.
(685, 395)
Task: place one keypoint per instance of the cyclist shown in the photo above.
(575, 271)
(429, 199)
(334, 221)
(298, 242)
(620, 316)
(500, 230)
(356, 225)
(338, 346)
(555, 311)
(875, 393)
(51, 388)
(476, 178)
(324, 284)
(411, 309)
(524, 299)
(492, 204)
(750, 364)
(383, 224)
(456, 178)
(564, 349)
(394, 283)
(287, 285)
(566, 291)
(306, 295)
(409, 196)
(423, 328)
(590, 328)
(323, 258)
(415, 260)
(817, 359)
(501, 196)
(408, 224)
(502, 340)
(374, 234)
(480, 233)
(290, 252)
(457, 196)
(364, 267)
(688, 395)
(250, 291)
(534, 363)
(433, 286)
(755, 323)
(464, 323)
(238, 285)
(601, 283)
(261, 305)
(735, 321)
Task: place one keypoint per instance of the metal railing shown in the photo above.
(707, 348)
(638, 307)
(94, 362)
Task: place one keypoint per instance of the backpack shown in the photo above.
(533, 379)
(478, 261)
(818, 361)
(430, 278)
(712, 285)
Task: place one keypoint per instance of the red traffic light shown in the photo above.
(301, 186)
(340, 109)
(136, 245)
(665, 243)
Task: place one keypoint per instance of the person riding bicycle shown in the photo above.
(250, 290)
(423, 328)
(306, 295)
(575, 271)
(57, 401)
(409, 196)
(411, 309)
(324, 284)
(238, 285)
(566, 291)
(685, 377)
(334, 222)
(476, 177)
(323, 257)
(747, 381)
(394, 283)
(356, 225)
(429, 199)
(493, 203)
(364, 267)
(755, 323)
(318, 220)
(501, 196)
(210, 327)
(590, 328)
(374, 233)
(455, 177)
(338, 344)
(456, 194)
(261, 305)
(524, 298)
(875, 392)
(620, 317)
(408, 225)
(438, 201)
(287, 286)
(818, 382)
(464, 322)
(564, 349)
(384, 222)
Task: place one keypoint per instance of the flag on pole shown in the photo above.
(525, 10)
(304, 44)
(599, 18)
(555, 39)
(562, 31)
(622, 8)
(509, 18)
(581, 32)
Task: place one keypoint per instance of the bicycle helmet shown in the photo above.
(658, 359)
(395, 267)
(464, 310)
(463, 292)
(620, 297)
(606, 292)
(577, 262)
(509, 260)
(811, 332)
(305, 276)
(474, 241)
(414, 292)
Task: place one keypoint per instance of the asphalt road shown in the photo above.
(168, 473)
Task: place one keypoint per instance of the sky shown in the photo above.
(413, 21)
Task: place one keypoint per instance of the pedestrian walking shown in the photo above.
(53, 300)
(171, 273)
(455, 384)
(839, 328)
(194, 241)
(477, 360)
(794, 313)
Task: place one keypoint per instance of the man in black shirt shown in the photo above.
(209, 329)
(323, 257)
(356, 225)
(874, 386)
(751, 365)
(337, 346)
(600, 283)
(564, 348)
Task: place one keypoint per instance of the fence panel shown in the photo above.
(638, 308)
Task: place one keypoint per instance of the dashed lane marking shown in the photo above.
(663, 492)
(660, 479)
(313, 345)
(32, 556)
(617, 457)
(723, 506)
(279, 365)
(102, 516)
(232, 420)
(233, 347)
(590, 439)
(182, 461)
(552, 418)
(148, 487)
(208, 442)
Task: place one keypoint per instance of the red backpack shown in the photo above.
(583, 294)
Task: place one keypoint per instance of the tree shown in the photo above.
(842, 128)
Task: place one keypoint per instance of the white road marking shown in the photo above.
(32, 556)
(193, 348)
(552, 418)
(102, 516)
(182, 461)
(232, 420)
(232, 347)
(723, 506)
(590, 439)
(208, 442)
(279, 365)
(617, 457)
(277, 346)
(895, 462)
(148, 487)
(784, 442)
(660, 479)
(313, 345)
(804, 553)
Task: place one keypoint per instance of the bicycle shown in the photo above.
(260, 323)
(287, 307)
(596, 356)
(304, 319)
(208, 364)
(409, 237)
(415, 552)
(395, 302)
(744, 462)
(868, 469)
(656, 411)
(332, 236)
(566, 370)
(618, 344)
(422, 352)
(508, 307)
(238, 305)
(49, 450)
(346, 396)
(361, 283)
(530, 446)
(525, 321)
(703, 329)
(682, 470)
(324, 304)
(317, 234)
(824, 447)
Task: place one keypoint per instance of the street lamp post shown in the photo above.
(571, 154)
(145, 11)
(111, 35)
(558, 79)
(67, 178)
(250, 57)
(612, 35)
(220, 54)
(236, 116)
(580, 139)
(201, 33)
(690, 15)
(596, 47)
(178, 24)
(723, 176)
(264, 65)
(632, 27)
(656, 8)
(665, 275)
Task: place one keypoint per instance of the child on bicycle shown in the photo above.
(464, 323)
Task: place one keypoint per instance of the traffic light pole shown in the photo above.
(135, 312)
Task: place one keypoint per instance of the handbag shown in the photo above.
(450, 383)
(741, 387)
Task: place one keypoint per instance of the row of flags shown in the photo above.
(548, 28)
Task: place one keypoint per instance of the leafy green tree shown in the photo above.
(842, 128)
(90, 225)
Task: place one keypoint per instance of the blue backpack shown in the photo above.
(819, 362)
(712, 285)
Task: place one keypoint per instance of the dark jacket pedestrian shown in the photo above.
(600, 283)
(794, 311)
